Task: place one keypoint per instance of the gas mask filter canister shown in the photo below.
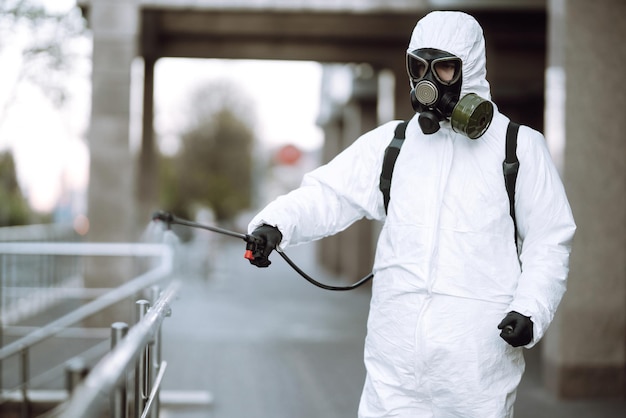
(436, 78)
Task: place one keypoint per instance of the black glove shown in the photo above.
(517, 329)
(269, 237)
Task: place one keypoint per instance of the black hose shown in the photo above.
(318, 284)
(169, 219)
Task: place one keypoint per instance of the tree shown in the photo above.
(14, 209)
(38, 49)
(44, 40)
(214, 166)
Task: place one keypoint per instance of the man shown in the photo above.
(452, 303)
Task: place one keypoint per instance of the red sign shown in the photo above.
(288, 155)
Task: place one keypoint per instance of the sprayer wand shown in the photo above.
(253, 244)
(254, 247)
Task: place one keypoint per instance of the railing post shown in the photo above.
(141, 373)
(25, 412)
(1, 338)
(155, 355)
(75, 372)
(119, 407)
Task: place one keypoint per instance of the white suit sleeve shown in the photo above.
(546, 228)
(333, 196)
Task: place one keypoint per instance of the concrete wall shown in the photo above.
(585, 349)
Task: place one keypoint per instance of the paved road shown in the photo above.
(264, 342)
(267, 344)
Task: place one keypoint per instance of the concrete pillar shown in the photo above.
(585, 349)
(111, 197)
(328, 251)
(147, 165)
(111, 200)
(350, 253)
(403, 109)
(338, 253)
(356, 242)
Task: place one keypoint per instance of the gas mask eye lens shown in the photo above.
(447, 71)
(416, 66)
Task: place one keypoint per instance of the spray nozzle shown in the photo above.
(254, 248)
(164, 217)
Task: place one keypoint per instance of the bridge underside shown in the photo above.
(582, 50)
(516, 40)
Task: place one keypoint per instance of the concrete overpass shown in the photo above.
(585, 350)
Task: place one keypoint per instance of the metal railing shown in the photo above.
(32, 283)
(106, 383)
(38, 233)
(22, 347)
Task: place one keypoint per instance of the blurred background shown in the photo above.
(113, 109)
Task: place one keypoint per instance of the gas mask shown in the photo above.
(436, 78)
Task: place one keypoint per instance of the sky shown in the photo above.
(47, 144)
(50, 145)
(285, 95)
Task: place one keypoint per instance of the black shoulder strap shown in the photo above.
(510, 167)
(389, 161)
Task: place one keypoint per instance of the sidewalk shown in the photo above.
(264, 343)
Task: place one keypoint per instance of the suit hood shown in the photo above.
(459, 34)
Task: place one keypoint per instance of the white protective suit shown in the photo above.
(446, 269)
